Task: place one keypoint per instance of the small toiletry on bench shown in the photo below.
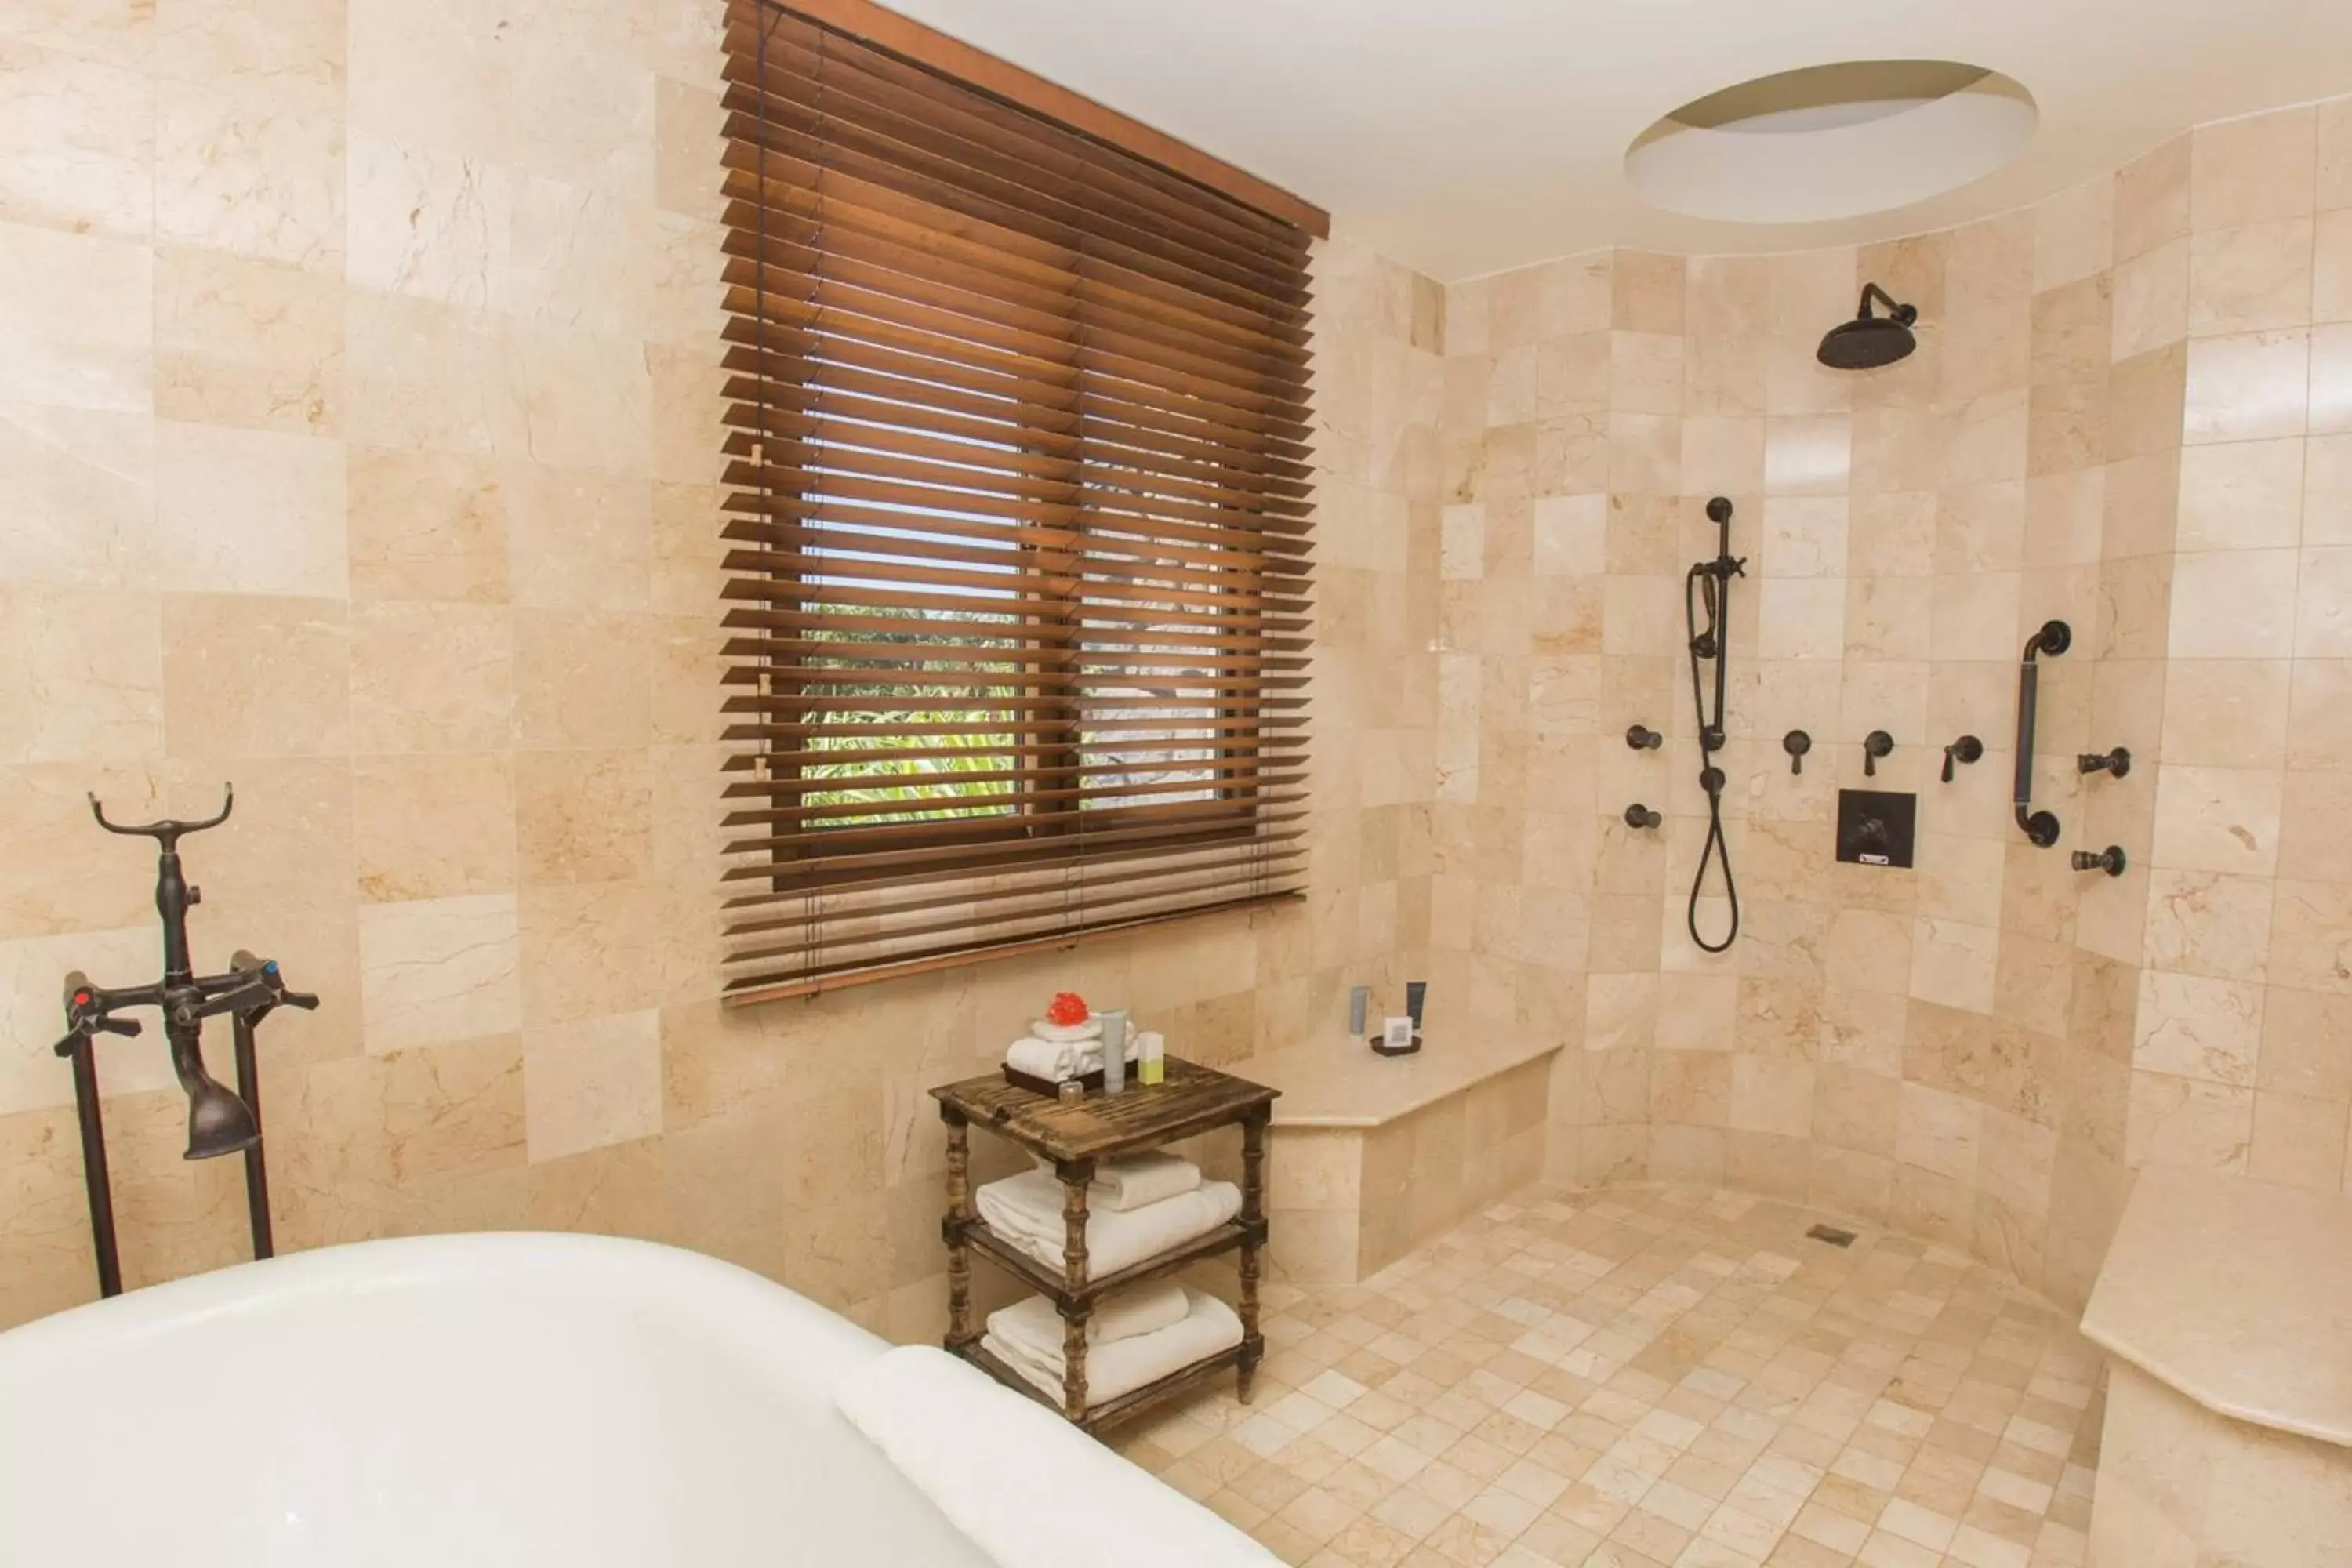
(1396, 1037)
(1150, 1057)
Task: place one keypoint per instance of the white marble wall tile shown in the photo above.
(249, 512)
(592, 1083)
(440, 970)
(82, 143)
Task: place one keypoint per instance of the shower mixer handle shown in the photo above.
(1641, 738)
(1796, 743)
(1967, 748)
(1874, 745)
(88, 1014)
(1640, 816)
(271, 985)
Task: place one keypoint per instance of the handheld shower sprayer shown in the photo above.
(221, 1120)
(1707, 588)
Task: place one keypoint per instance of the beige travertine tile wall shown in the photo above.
(358, 419)
(359, 426)
(2242, 1055)
(2119, 414)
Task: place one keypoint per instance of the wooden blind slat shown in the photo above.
(761, 32)
(1018, 494)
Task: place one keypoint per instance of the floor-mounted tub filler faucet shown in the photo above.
(219, 1121)
(1706, 587)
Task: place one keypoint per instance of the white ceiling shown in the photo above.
(1467, 136)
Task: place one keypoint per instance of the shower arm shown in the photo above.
(1895, 311)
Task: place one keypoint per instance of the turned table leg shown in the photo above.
(1254, 1218)
(1075, 1177)
(960, 1214)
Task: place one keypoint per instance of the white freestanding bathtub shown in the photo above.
(452, 1402)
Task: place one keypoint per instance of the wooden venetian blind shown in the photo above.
(1018, 492)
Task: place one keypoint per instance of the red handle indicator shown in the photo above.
(81, 998)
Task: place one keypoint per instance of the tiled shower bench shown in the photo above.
(1372, 1155)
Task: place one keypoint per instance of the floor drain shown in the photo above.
(1832, 1234)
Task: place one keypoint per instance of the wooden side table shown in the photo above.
(1075, 1136)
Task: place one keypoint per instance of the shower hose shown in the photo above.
(1707, 584)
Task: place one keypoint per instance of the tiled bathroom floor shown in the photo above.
(1654, 1378)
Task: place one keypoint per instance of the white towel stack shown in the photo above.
(1026, 1210)
(1122, 1353)
(1059, 1052)
(1139, 1180)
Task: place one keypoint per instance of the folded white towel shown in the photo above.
(1027, 1489)
(1132, 1181)
(1056, 1061)
(1144, 1310)
(1091, 1054)
(1026, 1210)
(1042, 1058)
(1027, 1337)
(1065, 1034)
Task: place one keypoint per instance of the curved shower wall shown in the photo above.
(1979, 1049)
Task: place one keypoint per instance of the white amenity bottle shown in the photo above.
(1114, 1049)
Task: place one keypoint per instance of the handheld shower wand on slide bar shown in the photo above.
(1707, 586)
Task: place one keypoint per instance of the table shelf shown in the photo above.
(1075, 1136)
(1110, 1412)
(1056, 1285)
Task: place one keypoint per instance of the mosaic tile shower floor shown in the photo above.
(1655, 1377)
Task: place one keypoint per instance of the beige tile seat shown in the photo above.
(1372, 1155)
(2227, 1307)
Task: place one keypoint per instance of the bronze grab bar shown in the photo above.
(2040, 827)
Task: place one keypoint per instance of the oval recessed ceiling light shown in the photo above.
(1832, 141)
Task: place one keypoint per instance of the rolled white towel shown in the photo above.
(1091, 1054)
(1028, 1489)
(1027, 1337)
(1131, 1180)
(1043, 1058)
(1026, 1210)
(1065, 1034)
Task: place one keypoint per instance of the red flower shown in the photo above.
(1068, 1009)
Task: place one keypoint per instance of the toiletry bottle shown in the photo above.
(1416, 994)
(1114, 1048)
(1152, 1058)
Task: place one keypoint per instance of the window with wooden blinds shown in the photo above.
(1018, 496)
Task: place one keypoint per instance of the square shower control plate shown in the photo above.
(1876, 828)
